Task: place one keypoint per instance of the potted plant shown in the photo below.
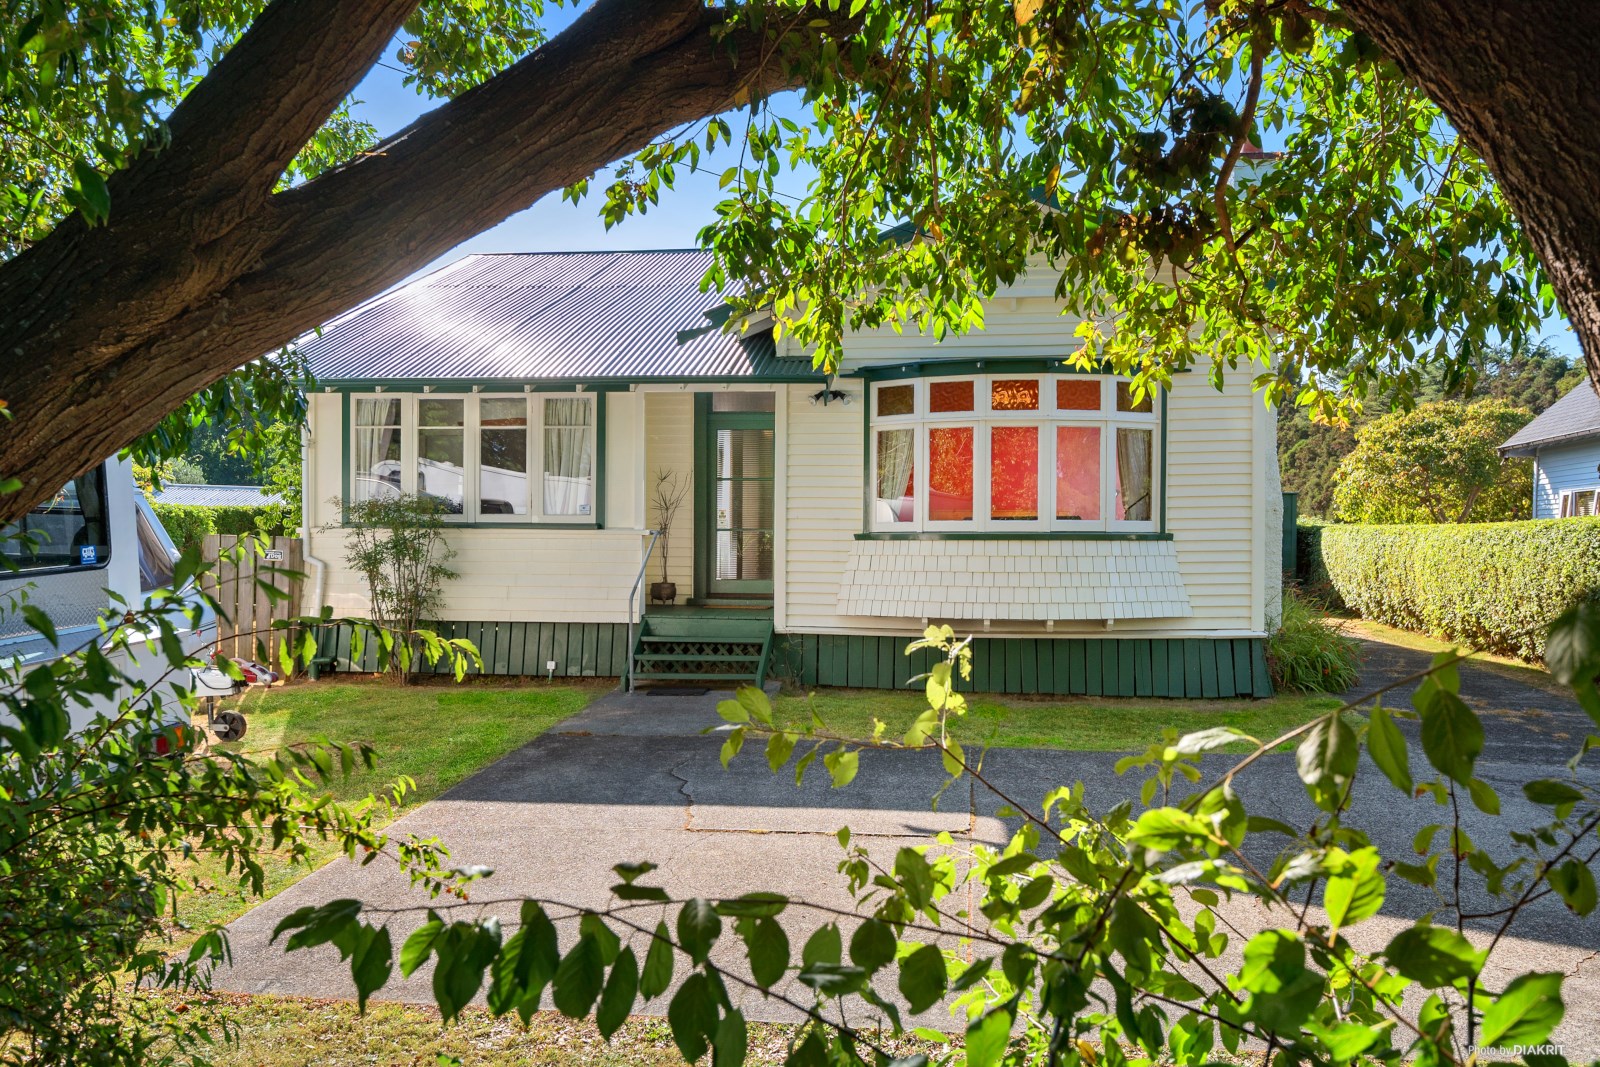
(665, 499)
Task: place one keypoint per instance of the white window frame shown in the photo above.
(983, 419)
(471, 512)
(1569, 499)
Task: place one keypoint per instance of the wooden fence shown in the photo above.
(247, 610)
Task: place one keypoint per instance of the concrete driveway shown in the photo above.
(633, 778)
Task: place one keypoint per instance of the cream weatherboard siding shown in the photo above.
(669, 446)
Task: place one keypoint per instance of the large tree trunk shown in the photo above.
(1518, 81)
(203, 268)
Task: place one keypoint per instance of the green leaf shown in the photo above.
(1526, 1013)
(987, 1038)
(731, 1043)
(1326, 760)
(954, 758)
(698, 928)
(755, 702)
(525, 965)
(1354, 889)
(657, 974)
(414, 953)
(1551, 793)
(1452, 736)
(733, 711)
(1284, 992)
(842, 764)
(1434, 956)
(41, 622)
(616, 1002)
(578, 978)
(1165, 829)
(768, 948)
(872, 945)
(371, 964)
(731, 747)
(922, 978)
(692, 1014)
(823, 946)
(1388, 748)
(1574, 882)
(1484, 798)
(463, 952)
(779, 748)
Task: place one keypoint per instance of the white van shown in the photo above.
(96, 537)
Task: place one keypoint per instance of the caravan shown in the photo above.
(89, 553)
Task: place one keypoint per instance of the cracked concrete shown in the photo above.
(636, 777)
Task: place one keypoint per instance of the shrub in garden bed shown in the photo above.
(1493, 586)
(1308, 653)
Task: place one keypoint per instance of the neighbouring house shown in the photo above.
(214, 496)
(1564, 443)
(1091, 540)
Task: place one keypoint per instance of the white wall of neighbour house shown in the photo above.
(508, 574)
(1563, 468)
(1219, 503)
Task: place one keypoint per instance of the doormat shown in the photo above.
(678, 691)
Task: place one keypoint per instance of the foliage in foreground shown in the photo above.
(100, 826)
(1093, 932)
(1436, 463)
(1309, 654)
(1491, 586)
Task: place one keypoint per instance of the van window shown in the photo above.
(157, 553)
(68, 531)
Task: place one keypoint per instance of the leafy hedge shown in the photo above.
(188, 524)
(1494, 586)
(1310, 572)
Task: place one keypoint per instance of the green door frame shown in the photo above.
(706, 425)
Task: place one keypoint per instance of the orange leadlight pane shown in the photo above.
(1014, 394)
(1078, 394)
(950, 396)
(896, 400)
(950, 473)
(1014, 472)
(1078, 472)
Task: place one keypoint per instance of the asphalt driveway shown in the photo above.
(633, 778)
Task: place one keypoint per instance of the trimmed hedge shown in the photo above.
(1493, 586)
(1310, 571)
(188, 524)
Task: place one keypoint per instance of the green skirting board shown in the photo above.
(579, 649)
(1192, 668)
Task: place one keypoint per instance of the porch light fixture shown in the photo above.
(827, 396)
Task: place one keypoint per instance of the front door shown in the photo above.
(735, 482)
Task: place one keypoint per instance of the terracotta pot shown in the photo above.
(664, 592)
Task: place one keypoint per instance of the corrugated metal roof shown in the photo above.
(240, 496)
(547, 316)
(1572, 418)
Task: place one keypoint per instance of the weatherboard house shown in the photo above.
(1564, 444)
(1092, 541)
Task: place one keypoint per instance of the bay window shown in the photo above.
(473, 453)
(1012, 452)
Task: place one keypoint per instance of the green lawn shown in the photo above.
(279, 1031)
(1099, 724)
(437, 732)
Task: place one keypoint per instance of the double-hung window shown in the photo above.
(486, 458)
(1578, 503)
(1012, 453)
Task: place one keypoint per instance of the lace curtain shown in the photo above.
(896, 457)
(377, 448)
(1133, 475)
(568, 457)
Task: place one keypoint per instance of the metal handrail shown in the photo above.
(633, 595)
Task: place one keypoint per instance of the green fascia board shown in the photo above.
(1038, 535)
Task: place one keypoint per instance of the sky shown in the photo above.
(557, 225)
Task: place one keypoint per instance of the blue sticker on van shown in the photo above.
(88, 555)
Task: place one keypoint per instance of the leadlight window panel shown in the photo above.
(503, 458)
(952, 464)
(1126, 401)
(1014, 473)
(568, 449)
(1077, 394)
(890, 401)
(1014, 394)
(948, 396)
(376, 448)
(1078, 482)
